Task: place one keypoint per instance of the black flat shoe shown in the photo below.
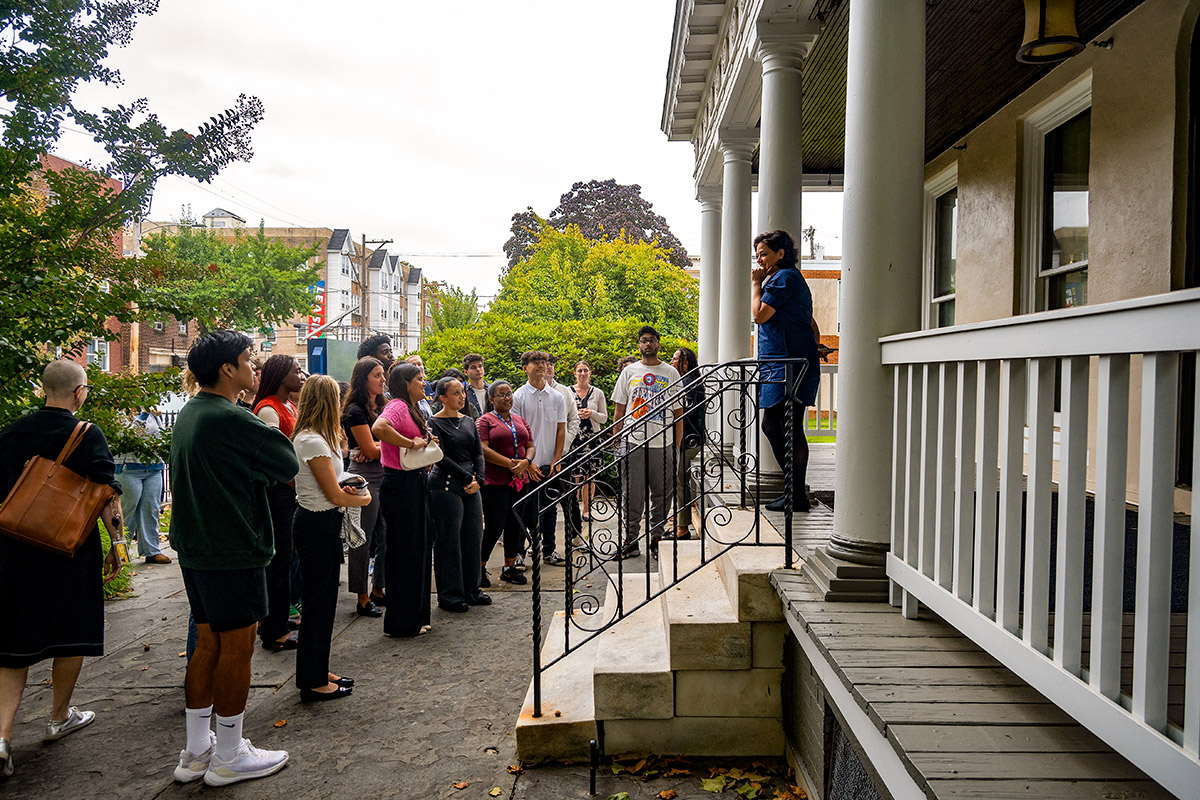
(378, 599)
(290, 643)
(480, 600)
(370, 610)
(456, 608)
(313, 696)
(485, 580)
(344, 682)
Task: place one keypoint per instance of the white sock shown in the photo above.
(229, 736)
(199, 723)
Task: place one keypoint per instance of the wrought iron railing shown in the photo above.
(713, 445)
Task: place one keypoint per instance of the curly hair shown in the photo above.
(372, 343)
(780, 240)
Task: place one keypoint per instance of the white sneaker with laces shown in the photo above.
(76, 719)
(192, 766)
(248, 762)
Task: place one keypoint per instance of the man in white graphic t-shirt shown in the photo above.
(640, 407)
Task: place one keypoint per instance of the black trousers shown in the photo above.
(541, 513)
(499, 518)
(774, 419)
(404, 498)
(281, 499)
(459, 523)
(318, 540)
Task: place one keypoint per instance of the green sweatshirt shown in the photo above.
(222, 460)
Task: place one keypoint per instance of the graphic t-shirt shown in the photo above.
(640, 388)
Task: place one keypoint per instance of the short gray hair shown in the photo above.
(62, 376)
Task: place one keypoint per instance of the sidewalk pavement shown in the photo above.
(427, 713)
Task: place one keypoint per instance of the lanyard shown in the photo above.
(512, 429)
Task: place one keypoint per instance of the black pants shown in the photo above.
(404, 498)
(282, 501)
(541, 512)
(318, 541)
(774, 419)
(458, 519)
(500, 518)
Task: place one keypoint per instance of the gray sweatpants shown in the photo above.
(648, 466)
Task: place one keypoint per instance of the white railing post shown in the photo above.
(928, 476)
(899, 467)
(1008, 537)
(1191, 697)
(987, 433)
(1072, 493)
(943, 523)
(1035, 626)
(1152, 617)
(964, 479)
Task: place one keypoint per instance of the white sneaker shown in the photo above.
(248, 762)
(192, 766)
(76, 719)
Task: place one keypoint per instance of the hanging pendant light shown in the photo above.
(1050, 33)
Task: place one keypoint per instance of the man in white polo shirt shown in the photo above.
(545, 411)
(572, 520)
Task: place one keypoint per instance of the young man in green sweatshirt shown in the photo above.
(222, 460)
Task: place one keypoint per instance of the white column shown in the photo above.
(782, 49)
(736, 257)
(710, 272)
(881, 259)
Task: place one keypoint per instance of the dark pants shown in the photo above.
(318, 541)
(500, 518)
(282, 500)
(360, 557)
(773, 422)
(534, 517)
(404, 495)
(459, 521)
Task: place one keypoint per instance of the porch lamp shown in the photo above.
(1050, 33)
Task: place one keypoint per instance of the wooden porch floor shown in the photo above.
(961, 724)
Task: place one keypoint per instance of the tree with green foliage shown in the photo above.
(61, 271)
(571, 277)
(243, 282)
(453, 307)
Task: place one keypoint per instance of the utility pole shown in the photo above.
(364, 284)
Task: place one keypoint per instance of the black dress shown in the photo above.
(53, 605)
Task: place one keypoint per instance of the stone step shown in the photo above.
(703, 630)
(568, 721)
(725, 693)
(696, 736)
(837, 588)
(632, 676)
(746, 569)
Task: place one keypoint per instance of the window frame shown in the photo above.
(1063, 107)
(935, 188)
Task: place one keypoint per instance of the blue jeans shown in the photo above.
(141, 500)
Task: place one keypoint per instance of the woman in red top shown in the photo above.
(280, 377)
(508, 452)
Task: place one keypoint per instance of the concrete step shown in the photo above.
(725, 693)
(839, 588)
(696, 736)
(746, 569)
(702, 627)
(568, 721)
(632, 676)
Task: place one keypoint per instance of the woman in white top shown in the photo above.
(593, 413)
(317, 532)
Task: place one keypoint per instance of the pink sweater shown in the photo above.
(396, 412)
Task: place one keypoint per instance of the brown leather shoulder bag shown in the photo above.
(52, 507)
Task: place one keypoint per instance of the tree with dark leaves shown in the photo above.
(602, 210)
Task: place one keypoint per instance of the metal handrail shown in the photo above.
(725, 394)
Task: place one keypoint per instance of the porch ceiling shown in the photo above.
(970, 70)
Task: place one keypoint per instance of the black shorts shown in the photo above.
(226, 599)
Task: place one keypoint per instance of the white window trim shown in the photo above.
(1068, 103)
(935, 187)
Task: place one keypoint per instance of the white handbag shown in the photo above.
(411, 458)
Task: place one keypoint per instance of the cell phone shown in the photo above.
(353, 481)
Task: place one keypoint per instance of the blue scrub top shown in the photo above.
(788, 334)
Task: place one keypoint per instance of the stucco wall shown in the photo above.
(1132, 171)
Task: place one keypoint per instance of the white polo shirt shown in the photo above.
(542, 409)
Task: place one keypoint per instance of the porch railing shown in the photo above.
(821, 418)
(723, 471)
(1011, 452)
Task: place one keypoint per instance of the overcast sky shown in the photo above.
(426, 123)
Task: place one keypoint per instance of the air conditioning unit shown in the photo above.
(158, 326)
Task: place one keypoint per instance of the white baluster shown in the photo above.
(1191, 681)
(987, 433)
(1156, 491)
(1037, 504)
(943, 523)
(928, 487)
(899, 465)
(1108, 559)
(1008, 537)
(1072, 492)
(964, 479)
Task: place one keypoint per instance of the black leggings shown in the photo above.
(774, 419)
(282, 500)
(499, 517)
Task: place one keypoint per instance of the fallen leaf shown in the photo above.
(460, 785)
(715, 785)
(182, 653)
(671, 773)
(145, 668)
(667, 794)
(619, 796)
(557, 713)
(279, 723)
(496, 791)
(638, 767)
(515, 769)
